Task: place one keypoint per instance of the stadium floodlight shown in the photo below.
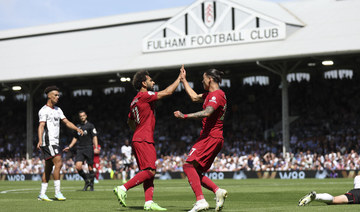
(16, 88)
(123, 79)
(328, 62)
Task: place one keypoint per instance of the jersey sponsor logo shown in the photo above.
(85, 132)
(151, 93)
(213, 99)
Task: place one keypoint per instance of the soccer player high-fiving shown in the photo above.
(211, 139)
(141, 119)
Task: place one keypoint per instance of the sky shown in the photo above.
(28, 13)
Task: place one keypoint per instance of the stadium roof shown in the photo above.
(115, 44)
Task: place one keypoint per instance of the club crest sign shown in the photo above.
(208, 23)
(209, 13)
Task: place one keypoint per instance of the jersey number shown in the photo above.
(135, 112)
(192, 151)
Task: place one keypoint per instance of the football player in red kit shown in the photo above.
(210, 141)
(97, 162)
(142, 120)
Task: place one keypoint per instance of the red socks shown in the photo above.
(139, 178)
(208, 184)
(149, 189)
(194, 180)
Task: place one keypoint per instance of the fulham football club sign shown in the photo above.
(208, 23)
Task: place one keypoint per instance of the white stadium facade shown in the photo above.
(249, 39)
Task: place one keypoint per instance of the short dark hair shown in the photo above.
(215, 74)
(81, 111)
(50, 88)
(139, 77)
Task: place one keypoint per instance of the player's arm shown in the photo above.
(192, 94)
(131, 124)
(40, 133)
(171, 88)
(197, 115)
(95, 143)
(70, 125)
(72, 144)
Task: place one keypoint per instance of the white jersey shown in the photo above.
(126, 150)
(51, 117)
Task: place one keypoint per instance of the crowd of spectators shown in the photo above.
(325, 133)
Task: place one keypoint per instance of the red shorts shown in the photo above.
(204, 151)
(145, 154)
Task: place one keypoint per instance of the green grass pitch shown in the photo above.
(176, 195)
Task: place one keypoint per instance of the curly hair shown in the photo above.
(139, 77)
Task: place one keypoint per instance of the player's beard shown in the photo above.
(150, 88)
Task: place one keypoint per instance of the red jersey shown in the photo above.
(213, 125)
(97, 156)
(142, 111)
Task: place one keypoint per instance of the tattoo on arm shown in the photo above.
(201, 114)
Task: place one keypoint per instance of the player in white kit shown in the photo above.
(48, 135)
(126, 153)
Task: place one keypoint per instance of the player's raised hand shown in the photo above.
(182, 73)
(179, 114)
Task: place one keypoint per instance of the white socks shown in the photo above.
(43, 188)
(324, 197)
(123, 188)
(132, 173)
(57, 186)
(123, 175)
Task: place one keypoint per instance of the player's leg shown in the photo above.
(208, 153)
(305, 200)
(97, 172)
(90, 161)
(220, 194)
(150, 205)
(45, 180)
(341, 199)
(91, 176)
(57, 166)
(146, 156)
(78, 166)
(195, 183)
(132, 171)
(123, 173)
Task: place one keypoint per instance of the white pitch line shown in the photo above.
(24, 189)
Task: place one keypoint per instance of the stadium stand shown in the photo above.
(325, 134)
